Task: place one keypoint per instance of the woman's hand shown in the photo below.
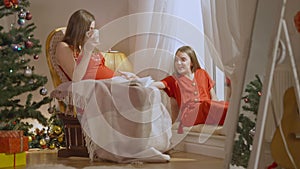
(93, 37)
(128, 75)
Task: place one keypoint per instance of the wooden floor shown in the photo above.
(179, 160)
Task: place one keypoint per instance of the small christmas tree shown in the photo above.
(246, 124)
(17, 77)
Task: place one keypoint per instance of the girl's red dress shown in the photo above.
(193, 98)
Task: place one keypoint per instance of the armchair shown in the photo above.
(75, 142)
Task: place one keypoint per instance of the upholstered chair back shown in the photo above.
(56, 73)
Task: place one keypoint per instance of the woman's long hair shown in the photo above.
(79, 23)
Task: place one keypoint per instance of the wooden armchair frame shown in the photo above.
(75, 144)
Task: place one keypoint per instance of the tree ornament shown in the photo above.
(19, 48)
(27, 72)
(28, 44)
(15, 2)
(273, 165)
(259, 93)
(29, 139)
(57, 130)
(52, 145)
(22, 14)
(297, 21)
(28, 15)
(15, 47)
(252, 132)
(60, 138)
(36, 57)
(246, 100)
(43, 142)
(21, 22)
(47, 138)
(43, 91)
(7, 3)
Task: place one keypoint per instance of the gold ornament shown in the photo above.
(60, 139)
(57, 130)
(52, 146)
(43, 142)
(29, 139)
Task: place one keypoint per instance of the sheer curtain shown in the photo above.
(228, 26)
(166, 25)
(155, 29)
(219, 31)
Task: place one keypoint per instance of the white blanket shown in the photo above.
(122, 122)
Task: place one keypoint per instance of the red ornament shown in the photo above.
(15, 2)
(36, 57)
(7, 3)
(297, 21)
(259, 93)
(28, 44)
(10, 3)
(246, 100)
(273, 165)
(28, 15)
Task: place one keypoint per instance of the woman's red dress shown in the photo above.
(96, 68)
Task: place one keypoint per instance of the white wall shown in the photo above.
(48, 15)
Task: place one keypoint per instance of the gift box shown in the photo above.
(13, 141)
(12, 160)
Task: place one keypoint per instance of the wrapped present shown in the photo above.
(13, 141)
(12, 160)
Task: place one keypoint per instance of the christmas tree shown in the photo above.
(17, 77)
(246, 124)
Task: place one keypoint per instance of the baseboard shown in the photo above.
(207, 139)
(204, 144)
(203, 149)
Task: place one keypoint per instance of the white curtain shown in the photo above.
(227, 27)
(156, 28)
(167, 25)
